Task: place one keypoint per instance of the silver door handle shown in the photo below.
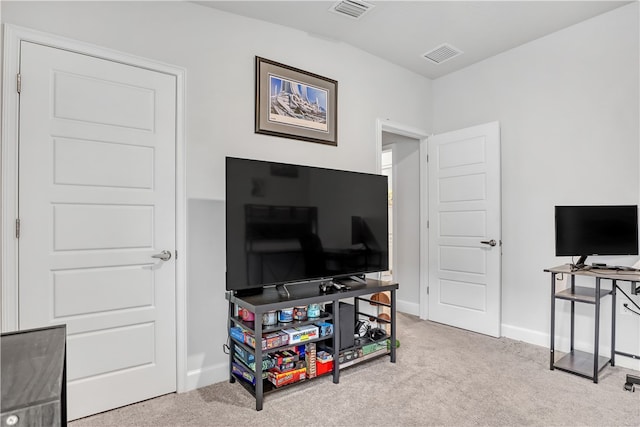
(489, 242)
(164, 255)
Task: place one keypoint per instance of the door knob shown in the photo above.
(164, 255)
(489, 242)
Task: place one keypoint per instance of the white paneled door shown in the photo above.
(96, 203)
(464, 229)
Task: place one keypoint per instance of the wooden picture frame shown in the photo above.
(297, 104)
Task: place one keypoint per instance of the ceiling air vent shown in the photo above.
(351, 8)
(442, 53)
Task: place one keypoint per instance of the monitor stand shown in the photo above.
(283, 286)
(358, 279)
(339, 281)
(580, 265)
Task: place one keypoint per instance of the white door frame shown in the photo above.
(13, 36)
(383, 125)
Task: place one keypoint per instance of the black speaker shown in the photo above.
(347, 323)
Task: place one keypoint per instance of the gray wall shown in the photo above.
(568, 111)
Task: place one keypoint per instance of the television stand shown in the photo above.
(300, 295)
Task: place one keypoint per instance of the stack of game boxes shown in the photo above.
(311, 360)
(289, 366)
(280, 367)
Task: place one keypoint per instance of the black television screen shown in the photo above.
(289, 223)
(596, 230)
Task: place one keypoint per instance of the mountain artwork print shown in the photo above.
(297, 104)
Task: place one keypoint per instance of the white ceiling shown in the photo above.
(403, 31)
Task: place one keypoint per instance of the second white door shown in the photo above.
(464, 229)
(96, 203)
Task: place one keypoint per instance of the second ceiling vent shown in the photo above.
(351, 8)
(442, 53)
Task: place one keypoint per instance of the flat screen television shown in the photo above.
(596, 230)
(289, 223)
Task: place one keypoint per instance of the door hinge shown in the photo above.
(17, 228)
(19, 82)
(427, 223)
(427, 290)
(427, 158)
(176, 251)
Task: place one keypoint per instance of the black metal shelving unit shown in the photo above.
(277, 298)
(583, 363)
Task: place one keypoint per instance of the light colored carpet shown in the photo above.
(443, 376)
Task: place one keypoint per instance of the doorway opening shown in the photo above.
(387, 170)
(400, 160)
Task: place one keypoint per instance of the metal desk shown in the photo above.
(577, 362)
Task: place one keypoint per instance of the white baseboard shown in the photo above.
(627, 362)
(538, 338)
(408, 307)
(207, 375)
(526, 335)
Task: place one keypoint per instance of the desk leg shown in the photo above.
(573, 315)
(614, 287)
(553, 319)
(597, 333)
(393, 326)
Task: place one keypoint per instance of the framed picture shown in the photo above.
(297, 104)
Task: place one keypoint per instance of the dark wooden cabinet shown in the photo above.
(34, 377)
